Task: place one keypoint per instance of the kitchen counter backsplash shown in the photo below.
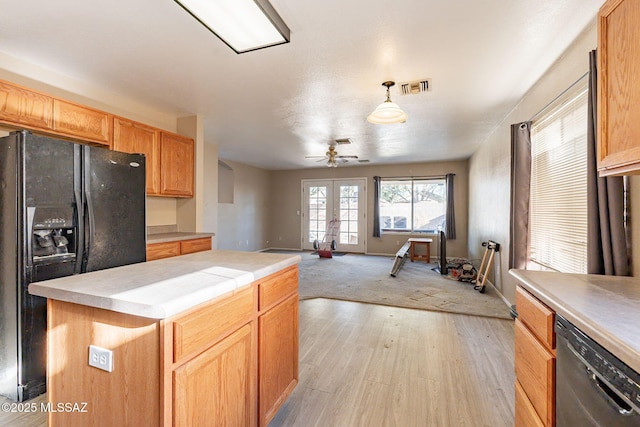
(170, 233)
(161, 229)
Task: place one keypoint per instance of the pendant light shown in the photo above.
(388, 112)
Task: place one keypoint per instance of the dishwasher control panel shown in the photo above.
(604, 365)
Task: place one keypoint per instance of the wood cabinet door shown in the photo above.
(162, 250)
(177, 157)
(216, 388)
(538, 318)
(535, 370)
(21, 107)
(137, 138)
(525, 412)
(81, 122)
(278, 357)
(195, 245)
(619, 87)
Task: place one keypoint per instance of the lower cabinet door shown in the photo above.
(216, 388)
(526, 415)
(278, 360)
(535, 370)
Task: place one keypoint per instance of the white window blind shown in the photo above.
(558, 205)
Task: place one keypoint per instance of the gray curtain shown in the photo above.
(450, 217)
(606, 239)
(376, 206)
(520, 190)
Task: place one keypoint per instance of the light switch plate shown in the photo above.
(101, 358)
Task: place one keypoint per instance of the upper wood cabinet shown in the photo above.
(169, 157)
(133, 137)
(21, 107)
(177, 156)
(619, 87)
(81, 122)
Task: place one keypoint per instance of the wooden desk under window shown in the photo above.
(416, 243)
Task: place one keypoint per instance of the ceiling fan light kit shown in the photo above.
(332, 157)
(388, 112)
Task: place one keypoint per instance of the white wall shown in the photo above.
(489, 170)
(286, 230)
(210, 191)
(243, 224)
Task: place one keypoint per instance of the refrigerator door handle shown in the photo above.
(79, 207)
(89, 213)
(89, 235)
(80, 232)
(31, 212)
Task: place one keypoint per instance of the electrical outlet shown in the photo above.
(101, 358)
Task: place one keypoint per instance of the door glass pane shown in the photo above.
(317, 213)
(349, 214)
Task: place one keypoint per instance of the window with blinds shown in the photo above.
(558, 205)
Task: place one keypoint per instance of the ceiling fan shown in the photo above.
(332, 157)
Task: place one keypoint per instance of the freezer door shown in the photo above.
(49, 171)
(115, 207)
(9, 265)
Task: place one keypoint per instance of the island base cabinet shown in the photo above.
(216, 388)
(224, 362)
(127, 396)
(278, 360)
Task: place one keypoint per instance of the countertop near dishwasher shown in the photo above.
(606, 308)
(163, 288)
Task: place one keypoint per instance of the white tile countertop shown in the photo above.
(606, 308)
(163, 288)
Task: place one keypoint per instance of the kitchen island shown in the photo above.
(209, 338)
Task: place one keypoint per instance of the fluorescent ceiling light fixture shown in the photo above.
(243, 25)
(388, 112)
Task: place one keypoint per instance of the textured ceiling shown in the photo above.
(271, 108)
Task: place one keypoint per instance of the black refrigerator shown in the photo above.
(65, 209)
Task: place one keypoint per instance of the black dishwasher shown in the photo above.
(593, 387)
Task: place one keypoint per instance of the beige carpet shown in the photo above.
(365, 278)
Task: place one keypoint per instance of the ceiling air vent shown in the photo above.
(343, 141)
(414, 88)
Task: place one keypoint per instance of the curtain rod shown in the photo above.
(543, 109)
(414, 177)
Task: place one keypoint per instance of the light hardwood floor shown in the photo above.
(370, 365)
(377, 366)
(27, 415)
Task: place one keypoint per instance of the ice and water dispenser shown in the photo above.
(54, 241)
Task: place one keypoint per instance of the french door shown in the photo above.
(325, 200)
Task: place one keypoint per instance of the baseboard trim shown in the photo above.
(280, 249)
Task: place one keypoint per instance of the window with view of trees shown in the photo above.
(412, 204)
